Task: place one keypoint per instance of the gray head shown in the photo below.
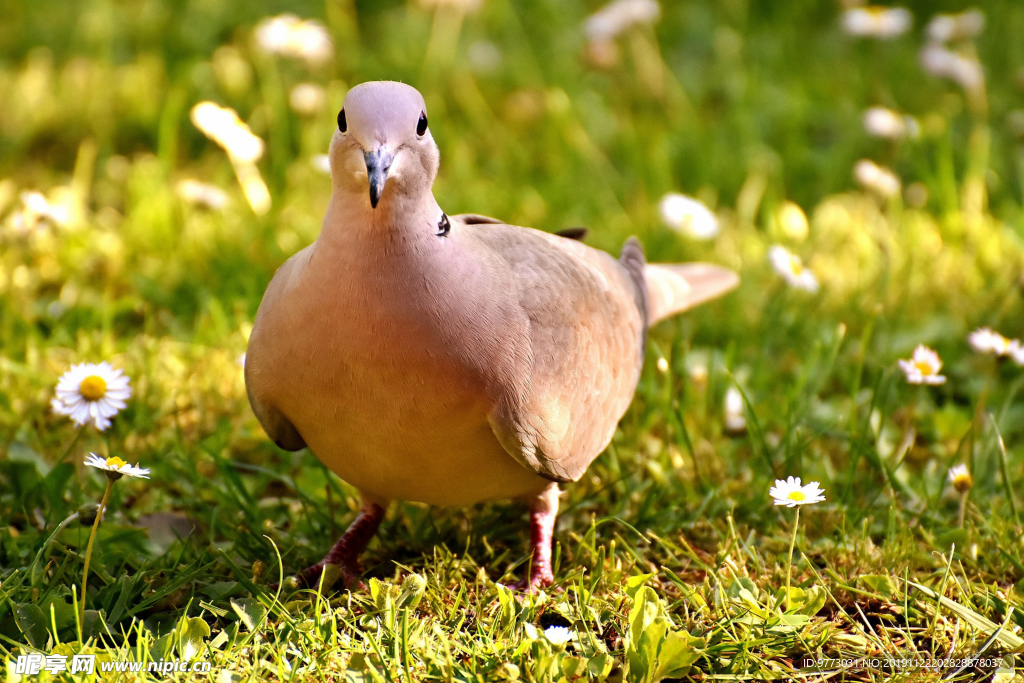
(382, 147)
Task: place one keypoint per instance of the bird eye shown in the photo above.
(342, 123)
(421, 126)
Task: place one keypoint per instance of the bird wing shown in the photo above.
(259, 362)
(573, 233)
(585, 328)
(474, 219)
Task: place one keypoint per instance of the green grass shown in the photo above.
(670, 558)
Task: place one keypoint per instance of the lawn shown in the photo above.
(127, 235)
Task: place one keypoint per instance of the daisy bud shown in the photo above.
(961, 478)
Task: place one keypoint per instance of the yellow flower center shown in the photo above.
(924, 367)
(962, 481)
(93, 388)
(796, 265)
(115, 461)
(797, 496)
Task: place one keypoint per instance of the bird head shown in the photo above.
(382, 147)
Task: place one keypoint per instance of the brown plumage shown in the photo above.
(449, 360)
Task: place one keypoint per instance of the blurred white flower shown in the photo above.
(923, 367)
(688, 215)
(223, 126)
(559, 635)
(662, 364)
(288, 35)
(322, 162)
(960, 477)
(886, 123)
(938, 60)
(307, 99)
(37, 204)
(91, 392)
(255, 190)
(116, 466)
(1016, 351)
(792, 220)
(735, 420)
(876, 178)
(698, 374)
(619, 16)
(944, 28)
(791, 268)
(790, 493)
(876, 21)
(202, 194)
(986, 340)
(36, 209)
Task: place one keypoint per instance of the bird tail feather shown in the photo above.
(675, 287)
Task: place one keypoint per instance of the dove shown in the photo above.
(448, 359)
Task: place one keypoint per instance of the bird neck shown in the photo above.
(400, 223)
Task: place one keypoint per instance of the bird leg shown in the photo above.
(543, 511)
(345, 553)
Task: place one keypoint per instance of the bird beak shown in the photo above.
(378, 162)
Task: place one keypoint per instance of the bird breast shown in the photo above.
(390, 376)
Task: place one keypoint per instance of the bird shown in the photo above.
(448, 359)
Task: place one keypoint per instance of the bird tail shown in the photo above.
(675, 287)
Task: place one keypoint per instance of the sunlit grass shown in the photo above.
(127, 236)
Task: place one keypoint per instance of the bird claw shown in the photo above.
(533, 584)
(310, 577)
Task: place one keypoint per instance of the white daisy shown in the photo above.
(688, 215)
(322, 163)
(91, 392)
(986, 340)
(1016, 351)
(619, 16)
(791, 268)
(886, 123)
(790, 493)
(202, 194)
(223, 126)
(115, 467)
(288, 35)
(877, 178)
(923, 367)
(875, 21)
(960, 477)
(938, 60)
(735, 421)
(944, 28)
(307, 99)
(792, 221)
(559, 635)
(38, 207)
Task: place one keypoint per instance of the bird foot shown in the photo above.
(539, 575)
(343, 559)
(327, 571)
(533, 584)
